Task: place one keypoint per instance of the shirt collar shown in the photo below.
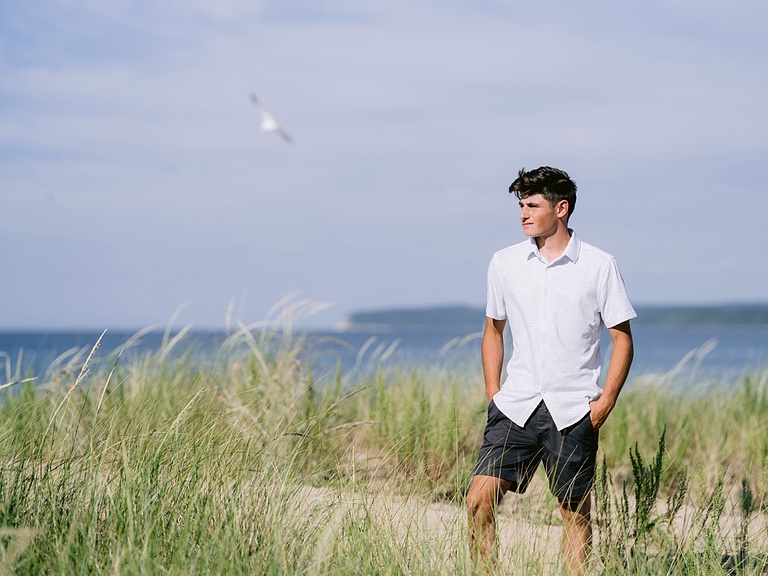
(571, 251)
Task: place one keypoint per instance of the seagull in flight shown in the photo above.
(268, 123)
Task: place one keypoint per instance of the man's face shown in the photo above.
(538, 217)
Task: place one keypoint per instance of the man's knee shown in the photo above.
(576, 509)
(477, 497)
(484, 494)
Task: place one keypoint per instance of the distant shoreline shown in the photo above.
(473, 317)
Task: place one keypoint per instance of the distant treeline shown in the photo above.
(454, 316)
(473, 317)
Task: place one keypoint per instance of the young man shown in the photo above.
(557, 293)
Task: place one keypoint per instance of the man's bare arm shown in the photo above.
(618, 370)
(493, 355)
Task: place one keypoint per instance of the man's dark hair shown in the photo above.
(551, 183)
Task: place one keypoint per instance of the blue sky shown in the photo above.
(135, 183)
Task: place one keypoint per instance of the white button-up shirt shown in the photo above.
(556, 312)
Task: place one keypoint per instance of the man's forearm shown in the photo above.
(618, 370)
(621, 361)
(493, 357)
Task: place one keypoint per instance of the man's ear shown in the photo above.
(562, 209)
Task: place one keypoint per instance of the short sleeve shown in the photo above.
(494, 307)
(616, 307)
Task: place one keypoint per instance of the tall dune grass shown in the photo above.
(252, 465)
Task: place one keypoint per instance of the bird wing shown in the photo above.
(268, 122)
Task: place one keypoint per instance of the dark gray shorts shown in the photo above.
(513, 453)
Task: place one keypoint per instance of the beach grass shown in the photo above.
(251, 464)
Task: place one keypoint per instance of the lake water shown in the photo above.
(712, 353)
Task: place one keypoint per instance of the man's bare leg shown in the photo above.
(483, 499)
(577, 534)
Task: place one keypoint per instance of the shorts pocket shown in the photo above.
(493, 412)
(588, 418)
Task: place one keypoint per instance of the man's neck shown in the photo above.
(551, 247)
